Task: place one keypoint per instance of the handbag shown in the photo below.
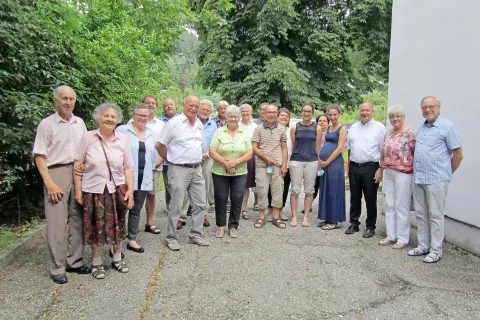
(120, 190)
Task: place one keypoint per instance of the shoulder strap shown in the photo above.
(108, 163)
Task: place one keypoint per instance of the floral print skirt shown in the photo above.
(101, 223)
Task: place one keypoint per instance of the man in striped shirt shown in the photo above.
(438, 153)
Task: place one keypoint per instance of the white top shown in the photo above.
(365, 141)
(289, 146)
(183, 141)
(58, 139)
(248, 128)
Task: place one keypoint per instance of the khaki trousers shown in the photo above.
(58, 215)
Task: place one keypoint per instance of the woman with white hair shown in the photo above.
(397, 161)
(247, 125)
(231, 149)
(108, 164)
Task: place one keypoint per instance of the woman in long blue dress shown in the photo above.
(331, 207)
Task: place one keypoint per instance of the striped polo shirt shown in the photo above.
(433, 151)
(270, 142)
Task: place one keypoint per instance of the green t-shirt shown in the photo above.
(231, 149)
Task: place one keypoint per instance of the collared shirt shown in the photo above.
(365, 141)
(150, 155)
(96, 174)
(165, 119)
(210, 128)
(156, 125)
(270, 142)
(433, 151)
(258, 121)
(58, 139)
(218, 122)
(184, 142)
(231, 149)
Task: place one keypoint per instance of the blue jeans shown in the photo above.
(134, 214)
(224, 185)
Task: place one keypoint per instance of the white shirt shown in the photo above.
(248, 128)
(365, 141)
(58, 139)
(183, 141)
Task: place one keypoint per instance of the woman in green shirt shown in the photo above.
(230, 149)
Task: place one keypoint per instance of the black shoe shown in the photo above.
(369, 233)
(352, 229)
(80, 270)
(137, 250)
(206, 223)
(111, 254)
(60, 279)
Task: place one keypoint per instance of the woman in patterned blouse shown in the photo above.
(397, 161)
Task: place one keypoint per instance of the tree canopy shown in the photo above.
(292, 51)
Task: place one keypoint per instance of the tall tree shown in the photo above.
(287, 51)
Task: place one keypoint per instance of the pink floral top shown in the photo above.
(398, 150)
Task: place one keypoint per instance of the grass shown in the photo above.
(9, 235)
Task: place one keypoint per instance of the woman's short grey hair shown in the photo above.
(222, 103)
(206, 101)
(232, 110)
(396, 109)
(140, 106)
(245, 106)
(99, 110)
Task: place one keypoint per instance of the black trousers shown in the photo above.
(286, 189)
(222, 186)
(362, 180)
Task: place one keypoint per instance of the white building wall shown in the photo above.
(435, 50)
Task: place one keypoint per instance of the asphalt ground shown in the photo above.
(269, 273)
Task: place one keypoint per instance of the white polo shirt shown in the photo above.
(183, 141)
(365, 141)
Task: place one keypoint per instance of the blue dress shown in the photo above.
(331, 202)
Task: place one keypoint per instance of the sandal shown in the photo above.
(98, 272)
(384, 242)
(279, 223)
(293, 223)
(259, 223)
(152, 229)
(432, 257)
(120, 266)
(321, 224)
(330, 226)
(245, 215)
(399, 245)
(256, 207)
(418, 252)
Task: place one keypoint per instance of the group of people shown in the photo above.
(98, 181)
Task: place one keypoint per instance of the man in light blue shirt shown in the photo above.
(438, 153)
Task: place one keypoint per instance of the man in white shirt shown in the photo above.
(364, 144)
(181, 144)
(156, 125)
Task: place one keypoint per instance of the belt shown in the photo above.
(365, 164)
(187, 165)
(60, 165)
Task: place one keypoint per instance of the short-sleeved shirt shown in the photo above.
(210, 128)
(365, 141)
(184, 142)
(218, 122)
(96, 174)
(165, 119)
(156, 127)
(270, 142)
(398, 150)
(58, 139)
(231, 149)
(150, 155)
(433, 151)
(248, 128)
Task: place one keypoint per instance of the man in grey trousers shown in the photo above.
(438, 153)
(181, 144)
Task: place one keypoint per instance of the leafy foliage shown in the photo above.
(292, 51)
(107, 50)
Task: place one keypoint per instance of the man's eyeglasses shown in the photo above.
(425, 108)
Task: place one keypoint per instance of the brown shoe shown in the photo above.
(206, 223)
(180, 224)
